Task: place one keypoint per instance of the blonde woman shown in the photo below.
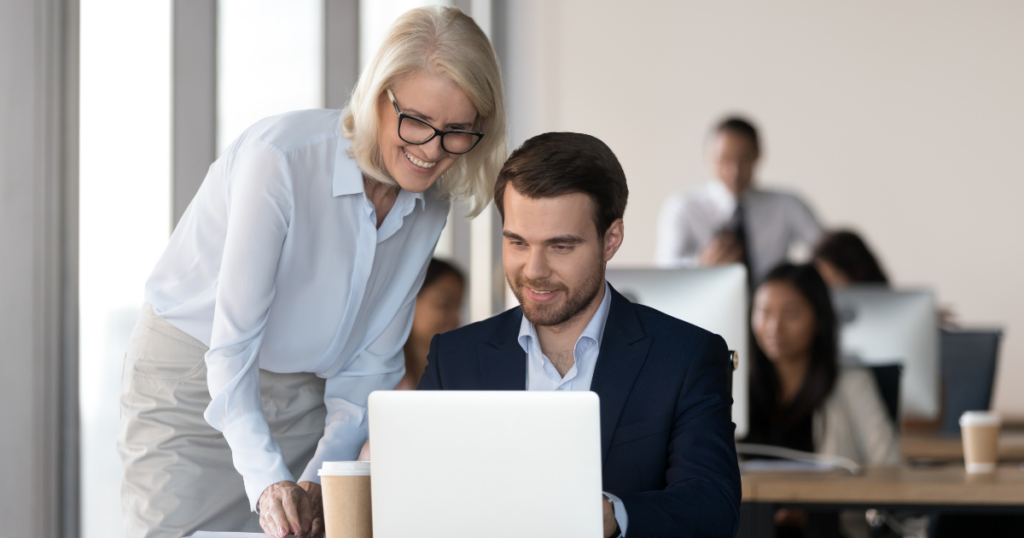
(286, 293)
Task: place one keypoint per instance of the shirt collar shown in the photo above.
(404, 205)
(594, 330)
(348, 178)
(722, 196)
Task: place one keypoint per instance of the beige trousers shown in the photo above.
(177, 475)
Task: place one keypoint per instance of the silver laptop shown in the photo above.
(466, 464)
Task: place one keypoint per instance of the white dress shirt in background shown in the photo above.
(278, 264)
(542, 375)
(775, 223)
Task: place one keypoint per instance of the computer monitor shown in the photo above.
(879, 325)
(713, 298)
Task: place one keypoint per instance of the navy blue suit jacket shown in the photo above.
(666, 431)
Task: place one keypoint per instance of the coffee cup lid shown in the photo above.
(980, 418)
(345, 468)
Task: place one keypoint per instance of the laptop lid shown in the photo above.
(465, 464)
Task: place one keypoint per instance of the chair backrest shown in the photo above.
(968, 372)
(887, 377)
(731, 366)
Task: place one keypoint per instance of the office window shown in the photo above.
(270, 60)
(125, 215)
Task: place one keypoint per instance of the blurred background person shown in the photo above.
(799, 397)
(843, 258)
(438, 307)
(729, 219)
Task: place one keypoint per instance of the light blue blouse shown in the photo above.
(278, 264)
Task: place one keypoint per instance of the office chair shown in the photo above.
(887, 377)
(968, 361)
(731, 365)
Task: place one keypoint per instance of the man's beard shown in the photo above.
(576, 300)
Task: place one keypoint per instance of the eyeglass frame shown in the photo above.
(437, 132)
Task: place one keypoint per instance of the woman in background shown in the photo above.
(799, 397)
(842, 258)
(437, 311)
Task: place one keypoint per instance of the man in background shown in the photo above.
(729, 219)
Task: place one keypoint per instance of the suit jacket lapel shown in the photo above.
(624, 347)
(502, 360)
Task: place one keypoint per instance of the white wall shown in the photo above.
(904, 120)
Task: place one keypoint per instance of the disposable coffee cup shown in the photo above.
(980, 433)
(346, 493)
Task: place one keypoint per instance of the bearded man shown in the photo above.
(669, 460)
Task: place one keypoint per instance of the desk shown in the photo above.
(945, 489)
(936, 447)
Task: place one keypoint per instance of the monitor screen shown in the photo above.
(714, 299)
(879, 325)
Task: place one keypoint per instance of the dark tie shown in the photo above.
(737, 225)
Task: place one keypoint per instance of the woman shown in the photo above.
(287, 291)
(799, 397)
(843, 258)
(437, 311)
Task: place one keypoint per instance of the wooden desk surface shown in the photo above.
(946, 485)
(936, 447)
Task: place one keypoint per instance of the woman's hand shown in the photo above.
(285, 508)
(316, 497)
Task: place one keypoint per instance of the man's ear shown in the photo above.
(613, 239)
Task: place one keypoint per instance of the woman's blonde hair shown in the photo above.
(445, 41)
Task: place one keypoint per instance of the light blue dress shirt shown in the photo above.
(542, 375)
(278, 264)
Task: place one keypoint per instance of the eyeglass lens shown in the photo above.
(414, 131)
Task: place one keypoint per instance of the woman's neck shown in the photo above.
(381, 196)
(792, 373)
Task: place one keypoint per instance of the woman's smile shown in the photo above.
(426, 165)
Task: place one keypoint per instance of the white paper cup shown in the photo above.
(346, 492)
(980, 433)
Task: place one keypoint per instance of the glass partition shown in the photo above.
(125, 214)
(270, 60)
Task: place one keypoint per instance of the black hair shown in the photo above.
(437, 269)
(554, 164)
(847, 252)
(771, 422)
(740, 126)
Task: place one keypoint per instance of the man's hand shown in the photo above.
(611, 527)
(316, 529)
(285, 508)
(724, 248)
(788, 517)
(364, 453)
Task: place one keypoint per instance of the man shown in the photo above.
(729, 220)
(669, 461)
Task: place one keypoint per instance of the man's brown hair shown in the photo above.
(554, 164)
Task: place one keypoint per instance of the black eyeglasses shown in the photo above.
(418, 132)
